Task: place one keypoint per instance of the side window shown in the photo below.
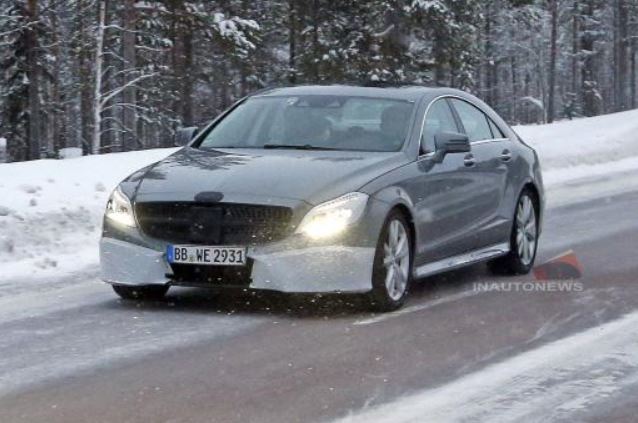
(439, 118)
(474, 121)
(496, 131)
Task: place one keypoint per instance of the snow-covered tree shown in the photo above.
(110, 75)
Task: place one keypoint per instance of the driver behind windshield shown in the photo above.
(317, 131)
(333, 122)
(394, 123)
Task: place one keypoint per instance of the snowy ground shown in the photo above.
(51, 210)
(585, 148)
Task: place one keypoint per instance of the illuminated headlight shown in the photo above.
(119, 209)
(332, 217)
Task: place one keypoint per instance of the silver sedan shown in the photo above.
(329, 189)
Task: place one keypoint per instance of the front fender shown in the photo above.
(387, 199)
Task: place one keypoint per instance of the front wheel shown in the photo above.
(392, 268)
(523, 240)
(145, 292)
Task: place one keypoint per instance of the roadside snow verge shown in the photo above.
(586, 158)
(588, 141)
(51, 212)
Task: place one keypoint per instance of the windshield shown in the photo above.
(314, 121)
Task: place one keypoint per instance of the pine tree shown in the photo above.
(590, 14)
(168, 63)
(15, 83)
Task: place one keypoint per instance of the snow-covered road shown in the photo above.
(487, 356)
(556, 382)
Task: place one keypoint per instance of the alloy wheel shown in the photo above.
(526, 230)
(396, 259)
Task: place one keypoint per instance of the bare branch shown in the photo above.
(21, 28)
(106, 97)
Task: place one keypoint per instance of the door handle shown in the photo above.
(506, 156)
(469, 160)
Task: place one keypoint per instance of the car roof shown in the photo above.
(407, 92)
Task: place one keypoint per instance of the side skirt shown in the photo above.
(461, 260)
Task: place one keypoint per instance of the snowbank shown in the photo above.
(589, 141)
(585, 148)
(51, 210)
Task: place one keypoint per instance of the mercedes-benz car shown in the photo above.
(322, 189)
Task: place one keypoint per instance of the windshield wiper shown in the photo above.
(296, 147)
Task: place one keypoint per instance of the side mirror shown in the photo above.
(451, 142)
(185, 135)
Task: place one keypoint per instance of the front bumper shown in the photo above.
(277, 267)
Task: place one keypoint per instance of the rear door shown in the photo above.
(492, 155)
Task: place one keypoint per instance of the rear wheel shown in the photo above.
(144, 292)
(523, 240)
(392, 268)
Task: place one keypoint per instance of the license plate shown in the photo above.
(207, 255)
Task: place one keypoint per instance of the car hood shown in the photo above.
(259, 176)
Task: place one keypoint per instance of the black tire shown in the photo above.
(380, 297)
(146, 292)
(514, 263)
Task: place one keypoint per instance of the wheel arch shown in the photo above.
(405, 211)
(391, 197)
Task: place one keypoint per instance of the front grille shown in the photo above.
(214, 224)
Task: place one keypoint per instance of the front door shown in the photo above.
(445, 192)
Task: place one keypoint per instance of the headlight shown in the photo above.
(119, 209)
(332, 217)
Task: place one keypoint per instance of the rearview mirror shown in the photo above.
(451, 142)
(185, 135)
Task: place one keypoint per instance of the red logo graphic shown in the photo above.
(562, 267)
